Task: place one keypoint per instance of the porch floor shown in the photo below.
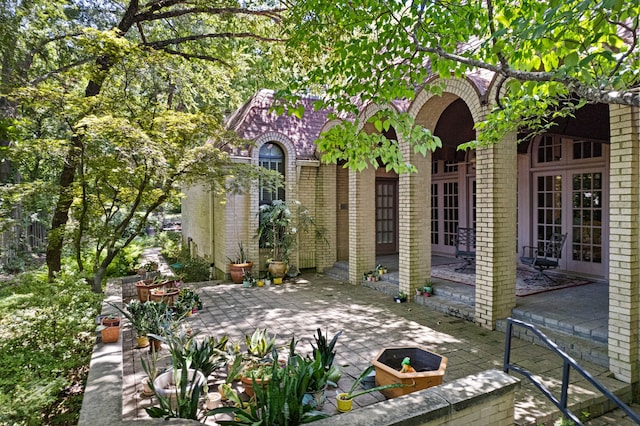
(576, 318)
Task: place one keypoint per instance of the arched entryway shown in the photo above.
(563, 188)
(453, 178)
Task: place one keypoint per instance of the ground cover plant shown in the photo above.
(47, 331)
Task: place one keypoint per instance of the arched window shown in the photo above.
(271, 157)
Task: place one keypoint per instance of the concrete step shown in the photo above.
(337, 273)
(579, 348)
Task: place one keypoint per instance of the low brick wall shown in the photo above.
(486, 398)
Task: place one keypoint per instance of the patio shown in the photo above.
(369, 320)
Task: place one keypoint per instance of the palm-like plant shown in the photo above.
(278, 227)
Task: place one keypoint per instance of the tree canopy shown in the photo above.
(113, 105)
(548, 58)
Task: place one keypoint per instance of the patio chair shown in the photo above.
(466, 247)
(545, 258)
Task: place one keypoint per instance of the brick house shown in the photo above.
(581, 180)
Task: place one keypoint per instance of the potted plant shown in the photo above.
(136, 313)
(150, 367)
(256, 361)
(401, 297)
(109, 328)
(325, 350)
(159, 321)
(278, 230)
(239, 265)
(344, 401)
(428, 288)
(167, 293)
(187, 302)
(248, 280)
(143, 287)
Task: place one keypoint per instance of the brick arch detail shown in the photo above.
(369, 111)
(464, 89)
(284, 141)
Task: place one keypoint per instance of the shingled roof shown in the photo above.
(254, 119)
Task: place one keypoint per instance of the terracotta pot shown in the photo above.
(237, 271)
(167, 296)
(155, 345)
(110, 322)
(143, 287)
(247, 382)
(277, 269)
(110, 334)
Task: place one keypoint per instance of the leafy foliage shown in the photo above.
(106, 112)
(547, 59)
(278, 401)
(47, 334)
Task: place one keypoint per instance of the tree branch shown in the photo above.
(61, 69)
(196, 56)
(160, 44)
(153, 15)
(629, 97)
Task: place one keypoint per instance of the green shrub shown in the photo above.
(47, 331)
(125, 262)
(171, 243)
(194, 270)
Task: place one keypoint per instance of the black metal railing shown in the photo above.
(568, 363)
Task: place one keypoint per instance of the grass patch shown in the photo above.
(47, 332)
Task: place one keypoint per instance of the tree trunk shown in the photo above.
(67, 177)
(96, 283)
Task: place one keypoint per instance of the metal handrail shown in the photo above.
(568, 362)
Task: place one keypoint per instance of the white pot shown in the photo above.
(165, 383)
(213, 400)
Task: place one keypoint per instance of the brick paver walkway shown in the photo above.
(369, 321)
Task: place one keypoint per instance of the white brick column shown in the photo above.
(624, 263)
(362, 223)
(415, 222)
(496, 176)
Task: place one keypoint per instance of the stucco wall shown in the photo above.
(197, 220)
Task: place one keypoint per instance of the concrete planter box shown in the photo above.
(429, 366)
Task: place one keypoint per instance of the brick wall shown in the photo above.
(362, 243)
(307, 182)
(484, 399)
(342, 213)
(496, 176)
(624, 263)
(415, 223)
(326, 216)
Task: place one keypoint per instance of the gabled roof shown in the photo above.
(254, 119)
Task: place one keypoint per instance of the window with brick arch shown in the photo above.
(271, 157)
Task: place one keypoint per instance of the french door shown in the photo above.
(386, 216)
(573, 202)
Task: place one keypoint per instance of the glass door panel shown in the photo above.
(587, 218)
(386, 216)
